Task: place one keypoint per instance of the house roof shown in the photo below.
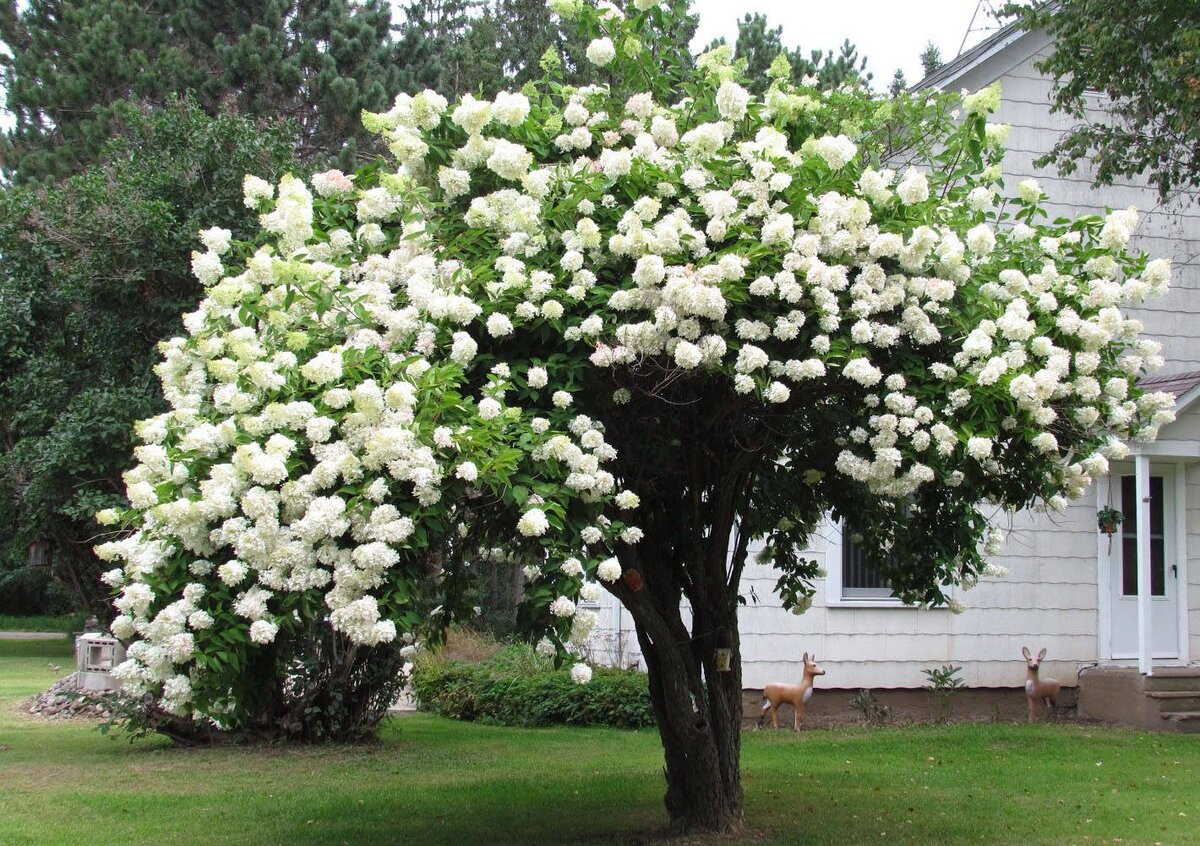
(1185, 387)
(981, 52)
(1176, 384)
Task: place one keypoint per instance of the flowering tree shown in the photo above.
(622, 331)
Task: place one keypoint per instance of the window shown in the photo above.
(859, 578)
(850, 580)
(1129, 533)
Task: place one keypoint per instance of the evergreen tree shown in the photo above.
(70, 63)
(482, 46)
(758, 45)
(93, 273)
(834, 70)
(527, 31)
(931, 58)
(449, 45)
(899, 84)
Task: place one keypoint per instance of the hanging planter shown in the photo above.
(1109, 520)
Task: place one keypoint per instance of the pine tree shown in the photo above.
(70, 64)
(832, 70)
(481, 46)
(931, 58)
(758, 45)
(899, 83)
(448, 45)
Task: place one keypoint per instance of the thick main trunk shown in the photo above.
(701, 746)
(695, 476)
(698, 711)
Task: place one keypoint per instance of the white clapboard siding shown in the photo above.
(1165, 231)
(1050, 597)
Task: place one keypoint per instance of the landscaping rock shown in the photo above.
(64, 700)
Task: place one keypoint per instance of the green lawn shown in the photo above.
(433, 781)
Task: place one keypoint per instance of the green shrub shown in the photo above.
(516, 687)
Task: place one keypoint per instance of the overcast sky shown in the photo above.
(890, 33)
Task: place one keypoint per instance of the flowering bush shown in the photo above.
(619, 333)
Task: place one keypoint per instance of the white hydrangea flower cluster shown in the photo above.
(341, 400)
(300, 455)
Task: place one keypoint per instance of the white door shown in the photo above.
(1164, 570)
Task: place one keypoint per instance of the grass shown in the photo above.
(434, 781)
(41, 623)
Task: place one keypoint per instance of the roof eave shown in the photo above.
(977, 55)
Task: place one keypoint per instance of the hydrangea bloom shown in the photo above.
(601, 51)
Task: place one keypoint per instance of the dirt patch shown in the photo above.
(831, 707)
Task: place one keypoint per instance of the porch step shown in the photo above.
(1172, 680)
(1186, 721)
(1168, 700)
(1175, 701)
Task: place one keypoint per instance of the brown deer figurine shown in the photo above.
(1038, 690)
(797, 694)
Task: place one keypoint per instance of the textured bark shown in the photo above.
(695, 478)
(702, 750)
(697, 707)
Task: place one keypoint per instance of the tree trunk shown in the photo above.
(694, 478)
(698, 711)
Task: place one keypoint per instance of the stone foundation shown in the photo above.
(831, 706)
(1169, 700)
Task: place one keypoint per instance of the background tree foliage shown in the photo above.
(449, 44)
(758, 45)
(931, 58)
(483, 46)
(73, 62)
(1144, 57)
(109, 177)
(94, 272)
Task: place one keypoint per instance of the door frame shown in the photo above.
(1174, 529)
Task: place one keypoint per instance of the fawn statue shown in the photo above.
(776, 694)
(1038, 690)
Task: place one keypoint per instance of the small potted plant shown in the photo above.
(1109, 519)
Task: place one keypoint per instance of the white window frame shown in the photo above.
(833, 577)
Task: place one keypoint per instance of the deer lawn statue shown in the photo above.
(1038, 690)
(797, 694)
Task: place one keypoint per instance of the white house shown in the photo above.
(1070, 588)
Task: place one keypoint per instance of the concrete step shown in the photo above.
(1184, 679)
(1174, 701)
(1185, 721)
